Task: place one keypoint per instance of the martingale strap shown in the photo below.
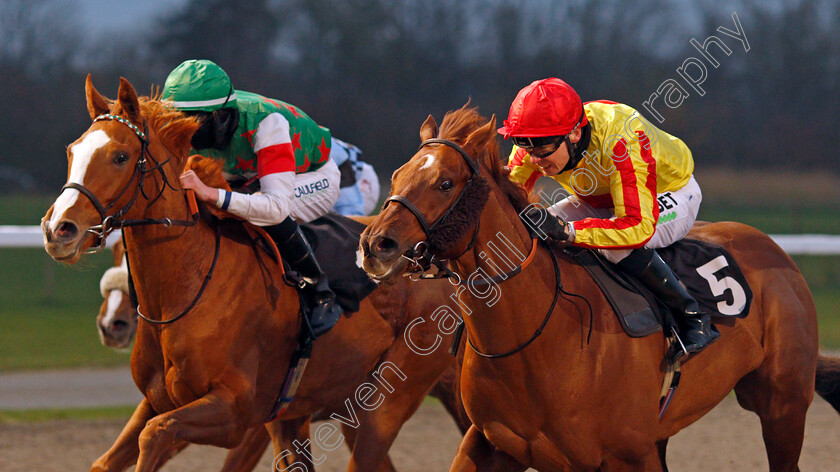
(297, 365)
(218, 236)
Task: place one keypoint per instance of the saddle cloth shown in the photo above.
(335, 240)
(710, 274)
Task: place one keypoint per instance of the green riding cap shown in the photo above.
(199, 84)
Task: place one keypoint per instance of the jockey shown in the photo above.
(359, 182)
(259, 138)
(631, 187)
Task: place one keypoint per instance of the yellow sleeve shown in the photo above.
(521, 169)
(633, 191)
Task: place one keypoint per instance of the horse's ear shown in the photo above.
(479, 139)
(96, 103)
(429, 129)
(128, 100)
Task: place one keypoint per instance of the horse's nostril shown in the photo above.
(67, 230)
(119, 325)
(386, 246)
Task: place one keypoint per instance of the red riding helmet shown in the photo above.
(547, 107)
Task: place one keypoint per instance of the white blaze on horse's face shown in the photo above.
(429, 161)
(115, 297)
(82, 154)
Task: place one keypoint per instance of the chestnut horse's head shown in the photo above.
(117, 319)
(437, 197)
(116, 168)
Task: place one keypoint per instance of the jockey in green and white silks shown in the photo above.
(266, 139)
(271, 140)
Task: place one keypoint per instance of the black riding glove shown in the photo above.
(543, 224)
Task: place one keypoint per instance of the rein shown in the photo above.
(559, 288)
(111, 222)
(218, 233)
(420, 256)
(423, 259)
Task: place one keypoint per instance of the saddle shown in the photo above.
(711, 275)
(335, 239)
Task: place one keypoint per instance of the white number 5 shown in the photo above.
(719, 286)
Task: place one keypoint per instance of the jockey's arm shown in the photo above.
(276, 171)
(522, 170)
(633, 191)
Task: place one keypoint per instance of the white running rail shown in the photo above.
(810, 244)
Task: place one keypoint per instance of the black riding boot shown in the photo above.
(696, 329)
(324, 311)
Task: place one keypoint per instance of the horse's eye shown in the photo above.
(121, 158)
(446, 185)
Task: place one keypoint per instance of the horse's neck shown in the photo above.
(165, 257)
(504, 242)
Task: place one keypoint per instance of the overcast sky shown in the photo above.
(108, 16)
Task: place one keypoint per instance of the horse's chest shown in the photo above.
(536, 428)
(177, 387)
(165, 390)
(164, 385)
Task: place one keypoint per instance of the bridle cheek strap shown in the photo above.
(412, 208)
(112, 222)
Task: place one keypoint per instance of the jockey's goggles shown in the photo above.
(540, 147)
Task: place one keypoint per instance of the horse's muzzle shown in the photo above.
(383, 248)
(63, 241)
(381, 256)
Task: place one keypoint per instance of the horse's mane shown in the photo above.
(457, 126)
(174, 128)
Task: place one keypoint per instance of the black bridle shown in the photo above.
(421, 257)
(109, 223)
(428, 228)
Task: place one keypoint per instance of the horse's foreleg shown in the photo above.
(477, 454)
(393, 393)
(246, 456)
(292, 448)
(350, 441)
(123, 453)
(211, 419)
(662, 447)
(448, 391)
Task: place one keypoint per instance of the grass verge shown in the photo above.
(51, 414)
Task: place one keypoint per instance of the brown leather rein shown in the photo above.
(423, 259)
(111, 222)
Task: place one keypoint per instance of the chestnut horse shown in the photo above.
(117, 320)
(117, 323)
(218, 369)
(553, 399)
